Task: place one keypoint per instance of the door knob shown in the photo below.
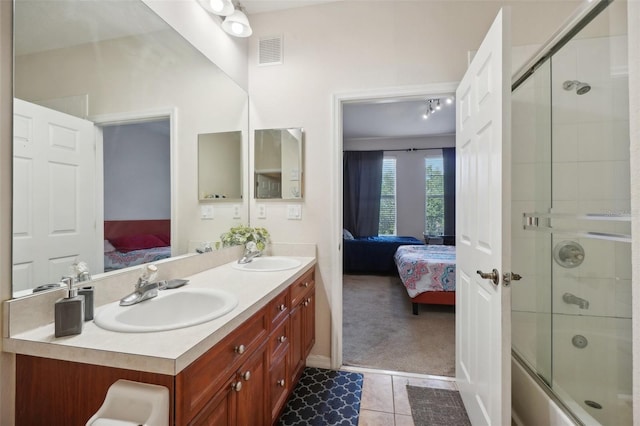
(494, 276)
(510, 276)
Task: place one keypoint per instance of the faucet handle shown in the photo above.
(149, 273)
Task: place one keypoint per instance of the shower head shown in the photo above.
(581, 88)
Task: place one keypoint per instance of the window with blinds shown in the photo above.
(387, 225)
(434, 195)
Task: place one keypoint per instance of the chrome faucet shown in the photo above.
(144, 289)
(250, 252)
(572, 299)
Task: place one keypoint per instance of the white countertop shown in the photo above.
(163, 352)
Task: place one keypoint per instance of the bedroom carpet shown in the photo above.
(379, 330)
(436, 407)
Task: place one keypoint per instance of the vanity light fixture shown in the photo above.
(218, 7)
(237, 23)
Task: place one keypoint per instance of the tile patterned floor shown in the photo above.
(384, 396)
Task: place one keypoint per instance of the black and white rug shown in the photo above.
(436, 407)
(324, 397)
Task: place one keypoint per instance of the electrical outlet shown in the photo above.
(236, 211)
(262, 211)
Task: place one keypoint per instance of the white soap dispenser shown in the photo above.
(69, 311)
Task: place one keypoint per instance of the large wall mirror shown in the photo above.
(106, 95)
(278, 162)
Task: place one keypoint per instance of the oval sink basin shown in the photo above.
(170, 310)
(268, 264)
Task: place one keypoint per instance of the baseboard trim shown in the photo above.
(319, 361)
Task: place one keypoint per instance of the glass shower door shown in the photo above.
(571, 312)
(531, 192)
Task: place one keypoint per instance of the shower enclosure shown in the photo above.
(571, 312)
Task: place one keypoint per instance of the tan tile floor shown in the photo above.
(384, 395)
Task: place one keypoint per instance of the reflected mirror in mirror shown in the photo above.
(219, 166)
(278, 163)
(98, 87)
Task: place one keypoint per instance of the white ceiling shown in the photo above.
(253, 7)
(399, 119)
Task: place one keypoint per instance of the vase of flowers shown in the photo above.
(241, 235)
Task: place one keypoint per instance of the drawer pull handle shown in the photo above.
(282, 307)
(237, 386)
(306, 303)
(305, 284)
(281, 382)
(246, 375)
(282, 339)
(239, 349)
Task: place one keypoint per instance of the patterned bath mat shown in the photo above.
(436, 407)
(324, 397)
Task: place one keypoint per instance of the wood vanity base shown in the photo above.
(245, 379)
(54, 392)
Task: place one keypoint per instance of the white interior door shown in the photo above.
(54, 194)
(483, 310)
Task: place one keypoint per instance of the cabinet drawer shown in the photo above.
(279, 339)
(301, 287)
(279, 308)
(197, 383)
(279, 384)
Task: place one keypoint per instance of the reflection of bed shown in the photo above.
(428, 273)
(134, 242)
(372, 255)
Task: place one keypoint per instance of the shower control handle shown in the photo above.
(494, 276)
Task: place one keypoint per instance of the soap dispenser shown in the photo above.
(69, 311)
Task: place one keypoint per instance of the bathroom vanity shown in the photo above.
(235, 370)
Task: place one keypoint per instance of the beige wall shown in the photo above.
(353, 46)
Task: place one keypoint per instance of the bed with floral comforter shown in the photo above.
(428, 273)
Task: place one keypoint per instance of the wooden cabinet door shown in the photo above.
(279, 384)
(251, 409)
(296, 343)
(309, 323)
(220, 410)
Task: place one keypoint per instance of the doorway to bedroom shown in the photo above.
(398, 234)
(136, 161)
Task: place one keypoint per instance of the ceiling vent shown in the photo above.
(270, 50)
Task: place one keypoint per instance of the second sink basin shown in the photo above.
(268, 264)
(170, 310)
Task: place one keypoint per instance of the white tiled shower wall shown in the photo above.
(589, 172)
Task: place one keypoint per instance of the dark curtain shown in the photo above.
(449, 166)
(362, 188)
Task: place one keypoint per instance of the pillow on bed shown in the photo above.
(108, 247)
(137, 242)
(347, 235)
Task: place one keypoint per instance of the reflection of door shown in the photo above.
(483, 322)
(54, 194)
(268, 185)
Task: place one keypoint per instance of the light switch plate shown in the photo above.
(294, 212)
(262, 211)
(206, 212)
